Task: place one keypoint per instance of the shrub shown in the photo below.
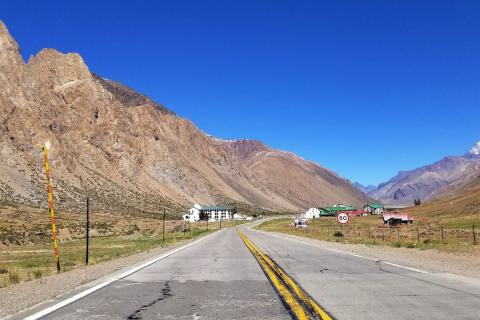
(338, 234)
(397, 244)
(37, 274)
(410, 245)
(13, 276)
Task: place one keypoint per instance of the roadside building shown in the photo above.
(396, 219)
(312, 213)
(357, 213)
(394, 208)
(242, 217)
(300, 222)
(216, 213)
(193, 214)
(210, 213)
(336, 208)
(374, 208)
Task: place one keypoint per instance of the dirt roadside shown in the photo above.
(429, 260)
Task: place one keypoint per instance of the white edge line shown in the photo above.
(87, 292)
(346, 252)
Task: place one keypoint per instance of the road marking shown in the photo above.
(121, 276)
(289, 290)
(403, 267)
(346, 253)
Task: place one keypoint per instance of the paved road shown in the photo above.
(351, 287)
(218, 278)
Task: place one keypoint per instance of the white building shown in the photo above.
(312, 213)
(242, 217)
(193, 214)
(212, 213)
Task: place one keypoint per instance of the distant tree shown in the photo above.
(417, 202)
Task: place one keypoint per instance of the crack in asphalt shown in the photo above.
(166, 292)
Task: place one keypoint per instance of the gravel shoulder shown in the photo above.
(429, 260)
(26, 295)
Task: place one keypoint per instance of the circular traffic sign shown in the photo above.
(342, 218)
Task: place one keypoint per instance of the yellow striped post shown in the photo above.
(52, 211)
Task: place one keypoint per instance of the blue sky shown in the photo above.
(365, 88)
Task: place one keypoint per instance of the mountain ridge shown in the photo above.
(430, 181)
(129, 153)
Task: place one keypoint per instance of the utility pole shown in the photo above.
(163, 227)
(88, 231)
(50, 203)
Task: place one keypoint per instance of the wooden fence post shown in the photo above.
(383, 234)
(418, 236)
(474, 236)
(443, 238)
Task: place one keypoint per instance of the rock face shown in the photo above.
(430, 181)
(130, 154)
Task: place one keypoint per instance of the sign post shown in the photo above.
(52, 210)
(87, 231)
(163, 227)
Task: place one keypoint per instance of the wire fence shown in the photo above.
(406, 233)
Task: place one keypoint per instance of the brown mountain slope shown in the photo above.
(461, 206)
(129, 153)
(300, 182)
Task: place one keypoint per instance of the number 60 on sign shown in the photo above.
(342, 218)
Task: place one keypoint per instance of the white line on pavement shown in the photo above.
(345, 252)
(127, 273)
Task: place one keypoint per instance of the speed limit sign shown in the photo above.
(342, 218)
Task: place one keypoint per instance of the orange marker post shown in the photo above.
(52, 211)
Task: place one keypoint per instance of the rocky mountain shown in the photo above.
(129, 153)
(364, 189)
(430, 181)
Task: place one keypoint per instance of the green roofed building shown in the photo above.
(324, 212)
(336, 208)
(374, 208)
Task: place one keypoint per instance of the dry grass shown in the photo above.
(26, 251)
(458, 210)
(370, 230)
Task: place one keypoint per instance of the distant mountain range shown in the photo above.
(428, 182)
(364, 189)
(131, 154)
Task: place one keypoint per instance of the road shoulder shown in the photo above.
(36, 294)
(429, 260)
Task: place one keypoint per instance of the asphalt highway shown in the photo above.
(219, 278)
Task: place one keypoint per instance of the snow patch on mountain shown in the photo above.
(475, 150)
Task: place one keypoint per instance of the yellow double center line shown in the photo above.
(301, 305)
